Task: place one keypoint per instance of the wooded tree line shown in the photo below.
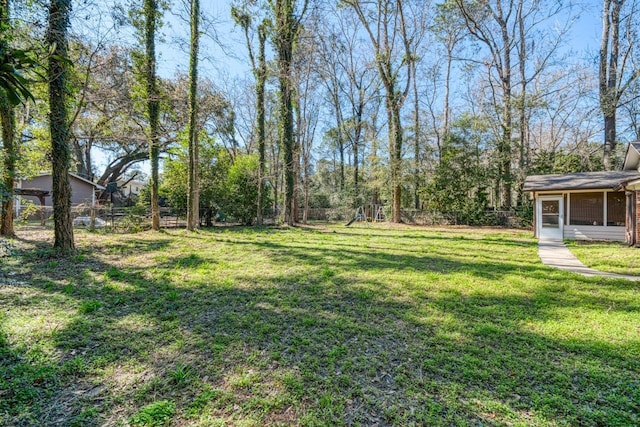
(445, 106)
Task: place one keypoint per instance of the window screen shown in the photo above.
(587, 208)
(616, 208)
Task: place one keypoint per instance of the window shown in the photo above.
(616, 208)
(587, 209)
(550, 213)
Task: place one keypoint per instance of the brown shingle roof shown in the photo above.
(579, 181)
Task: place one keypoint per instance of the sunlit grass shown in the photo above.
(613, 257)
(314, 326)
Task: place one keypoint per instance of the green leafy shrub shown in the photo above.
(155, 414)
(213, 169)
(242, 190)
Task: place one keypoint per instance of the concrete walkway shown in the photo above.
(555, 253)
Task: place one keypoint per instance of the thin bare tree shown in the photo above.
(385, 24)
(242, 18)
(616, 74)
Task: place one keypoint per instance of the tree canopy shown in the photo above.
(349, 103)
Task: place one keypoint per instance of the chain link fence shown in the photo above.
(515, 218)
(138, 218)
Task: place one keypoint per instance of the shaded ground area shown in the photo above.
(316, 326)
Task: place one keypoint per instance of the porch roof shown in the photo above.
(608, 180)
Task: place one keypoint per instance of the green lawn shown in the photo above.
(312, 326)
(613, 257)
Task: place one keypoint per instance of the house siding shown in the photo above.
(583, 232)
(81, 192)
(591, 232)
(627, 180)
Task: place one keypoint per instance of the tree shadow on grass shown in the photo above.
(316, 344)
(476, 262)
(490, 236)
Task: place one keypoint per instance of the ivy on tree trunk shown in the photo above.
(261, 78)
(8, 121)
(193, 204)
(286, 32)
(57, 40)
(153, 104)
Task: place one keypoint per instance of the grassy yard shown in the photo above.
(312, 326)
(613, 257)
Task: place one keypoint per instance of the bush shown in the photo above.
(242, 190)
(464, 195)
(213, 169)
(135, 219)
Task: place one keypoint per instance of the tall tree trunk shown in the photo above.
(82, 156)
(153, 104)
(395, 158)
(417, 179)
(87, 161)
(442, 136)
(276, 173)
(505, 148)
(608, 74)
(286, 139)
(57, 40)
(375, 162)
(284, 37)
(243, 19)
(305, 215)
(8, 121)
(356, 148)
(507, 118)
(522, 108)
(339, 128)
(356, 164)
(382, 40)
(396, 165)
(445, 103)
(261, 78)
(296, 173)
(193, 204)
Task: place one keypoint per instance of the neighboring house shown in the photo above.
(589, 205)
(83, 191)
(131, 188)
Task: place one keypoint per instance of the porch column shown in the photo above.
(637, 219)
(535, 214)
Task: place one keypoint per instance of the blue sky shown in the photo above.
(229, 58)
(224, 58)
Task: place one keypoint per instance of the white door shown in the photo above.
(550, 218)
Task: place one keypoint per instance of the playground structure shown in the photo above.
(371, 213)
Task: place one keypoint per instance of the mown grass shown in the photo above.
(313, 326)
(614, 257)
